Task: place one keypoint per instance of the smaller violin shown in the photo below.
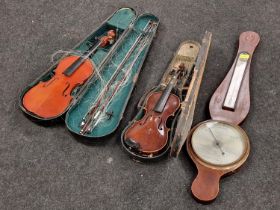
(150, 134)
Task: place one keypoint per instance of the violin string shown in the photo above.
(103, 64)
(116, 87)
(107, 102)
(64, 53)
(115, 74)
(94, 109)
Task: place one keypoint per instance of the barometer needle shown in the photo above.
(216, 140)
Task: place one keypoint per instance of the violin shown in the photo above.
(149, 135)
(49, 99)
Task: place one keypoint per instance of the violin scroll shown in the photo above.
(108, 39)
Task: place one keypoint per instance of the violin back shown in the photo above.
(51, 98)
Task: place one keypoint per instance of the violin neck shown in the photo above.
(165, 95)
(74, 66)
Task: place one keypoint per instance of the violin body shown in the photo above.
(150, 134)
(51, 98)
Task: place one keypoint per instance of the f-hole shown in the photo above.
(66, 88)
(160, 124)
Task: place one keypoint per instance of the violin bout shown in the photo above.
(149, 135)
(51, 98)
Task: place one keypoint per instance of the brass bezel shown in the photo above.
(226, 168)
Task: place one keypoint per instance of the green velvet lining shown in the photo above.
(119, 21)
(118, 104)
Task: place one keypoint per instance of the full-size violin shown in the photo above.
(49, 99)
(150, 134)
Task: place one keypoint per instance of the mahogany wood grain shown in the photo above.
(248, 41)
(150, 134)
(205, 186)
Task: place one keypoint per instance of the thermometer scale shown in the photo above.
(219, 146)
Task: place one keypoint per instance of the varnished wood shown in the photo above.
(150, 134)
(206, 185)
(51, 98)
(185, 57)
(188, 105)
(248, 41)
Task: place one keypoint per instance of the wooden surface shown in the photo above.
(248, 41)
(150, 134)
(205, 186)
(188, 105)
(51, 98)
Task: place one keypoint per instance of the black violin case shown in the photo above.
(129, 27)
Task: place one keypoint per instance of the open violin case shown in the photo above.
(187, 55)
(102, 98)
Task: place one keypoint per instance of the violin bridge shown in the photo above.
(236, 81)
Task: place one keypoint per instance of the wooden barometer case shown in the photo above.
(219, 146)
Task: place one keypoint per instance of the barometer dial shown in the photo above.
(219, 143)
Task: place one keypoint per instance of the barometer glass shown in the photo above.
(219, 143)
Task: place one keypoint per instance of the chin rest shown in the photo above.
(132, 144)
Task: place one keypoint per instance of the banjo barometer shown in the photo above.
(219, 146)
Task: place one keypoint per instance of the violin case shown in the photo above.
(128, 27)
(187, 54)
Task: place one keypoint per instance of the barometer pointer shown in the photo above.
(216, 141)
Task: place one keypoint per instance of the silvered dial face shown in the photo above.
(218, 143)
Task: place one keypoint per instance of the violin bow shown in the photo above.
(93, 116)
